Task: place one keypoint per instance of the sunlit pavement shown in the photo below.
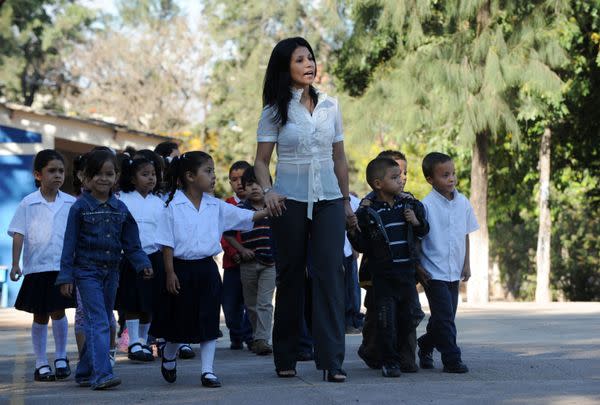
(518, 353)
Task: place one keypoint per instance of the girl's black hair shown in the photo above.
(129, 168)
(159, 166)
(43, 158)
(78, 165)
(164, 149)
(188, 162)
(278, 81)
(96, 159)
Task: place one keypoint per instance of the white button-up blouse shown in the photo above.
(305, 149)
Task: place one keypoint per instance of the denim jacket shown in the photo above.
(96, 235)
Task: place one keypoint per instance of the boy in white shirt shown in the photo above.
(445, 255)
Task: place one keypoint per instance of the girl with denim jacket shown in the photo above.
(99, 228)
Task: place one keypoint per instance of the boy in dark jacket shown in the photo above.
(386, 234)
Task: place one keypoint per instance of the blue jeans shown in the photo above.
(98, 289)
(352, 298)
(236, 319)
(441, 329)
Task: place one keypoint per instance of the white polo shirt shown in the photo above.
(195, 234)
(354, 203)
(43, 225)
(444, 247)
(146, 212)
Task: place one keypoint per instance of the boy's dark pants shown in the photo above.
(393, 305)
(369, 347)
(441, 330)
(236, 319)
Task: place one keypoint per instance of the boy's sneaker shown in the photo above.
(409, 368)
(456, 368)
(262, 348)
(236, 345)
(112, 353)
(111, 382)
(425, 359)
(392, 371)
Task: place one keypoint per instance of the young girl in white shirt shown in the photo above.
(39, 226)
(135, 295)
(189, 232)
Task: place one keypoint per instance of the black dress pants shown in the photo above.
(294, 233)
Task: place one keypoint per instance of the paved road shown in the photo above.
(518, 354)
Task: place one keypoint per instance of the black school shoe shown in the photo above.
(456, 368)
(425, 359)
(45, 377)
(170, 376)
(210, 382)
(392, 371)
(186, 352)
(62, 372)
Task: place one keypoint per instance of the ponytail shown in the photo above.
(171, 179)
(188, 162)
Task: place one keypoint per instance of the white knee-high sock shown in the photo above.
(60, 331)
(39, 337)
(143, 332)
(133, 328)
(207, 354)
(170, 353)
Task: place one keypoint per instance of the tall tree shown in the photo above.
(34, 36)
(471, 66)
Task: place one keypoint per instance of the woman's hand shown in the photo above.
(173, 286)
(247, 254)
(66, 290)
(275, 203)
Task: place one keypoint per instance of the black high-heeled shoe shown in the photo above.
(335, 375)
(286, 373)
(169, 375)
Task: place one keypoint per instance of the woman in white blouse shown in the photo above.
(312, 174)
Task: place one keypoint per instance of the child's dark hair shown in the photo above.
(43, 158)
(96, 159)
(164, 149)
(239, 165)
(159, 165)
(188, 162)
(129, 168)
(392, 154)
(431, 160)
(376, 169)
(78, 166)
(249, 176)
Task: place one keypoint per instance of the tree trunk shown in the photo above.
(478, 287)
(542, 257)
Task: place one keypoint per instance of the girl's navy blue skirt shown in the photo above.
(39, 295)
(135, 294)
(193, 315)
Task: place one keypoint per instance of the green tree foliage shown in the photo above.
(34, 35)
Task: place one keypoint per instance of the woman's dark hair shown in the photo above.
(96, 159)
(164, 149)
(43, 158)
(78, 166)
(159, 166)
(129, 168)
(188, 162)
(278, 81)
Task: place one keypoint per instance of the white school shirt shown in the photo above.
(305, 149)
(43, 225)
(196, 234)
(443, 248)
(354, 203)
(146, 212)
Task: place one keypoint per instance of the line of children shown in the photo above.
(186, 293)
